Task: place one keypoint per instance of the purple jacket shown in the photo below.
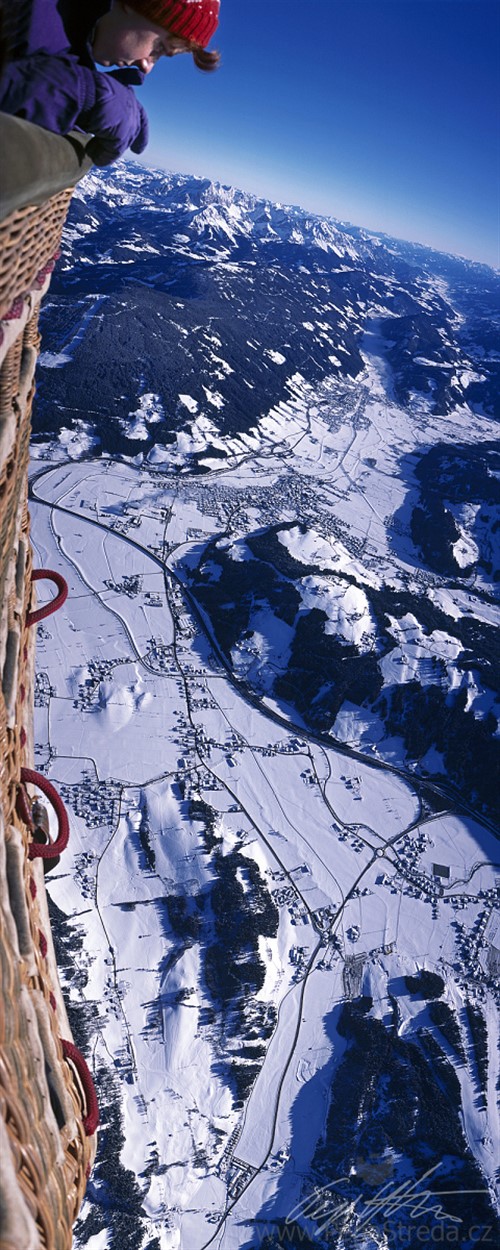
(51, 79)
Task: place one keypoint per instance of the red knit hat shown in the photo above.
(196, 20)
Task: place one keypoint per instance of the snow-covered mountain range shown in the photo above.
(265, 458)
(216, 300)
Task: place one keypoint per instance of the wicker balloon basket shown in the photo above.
(48, 1112)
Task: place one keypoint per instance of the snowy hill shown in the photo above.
(265, 459)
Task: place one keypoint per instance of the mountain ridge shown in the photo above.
(280, 304)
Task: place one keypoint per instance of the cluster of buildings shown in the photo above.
(95, 802)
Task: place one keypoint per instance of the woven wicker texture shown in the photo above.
(30, 238)
(44, 1111)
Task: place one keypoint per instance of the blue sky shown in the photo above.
(385, 113)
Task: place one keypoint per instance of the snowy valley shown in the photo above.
(265, 460)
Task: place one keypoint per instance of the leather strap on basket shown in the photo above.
(91, 1119)
(32, 618)
(49, 850)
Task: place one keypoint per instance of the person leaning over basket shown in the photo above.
(52, 78)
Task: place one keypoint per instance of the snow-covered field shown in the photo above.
(137, 715)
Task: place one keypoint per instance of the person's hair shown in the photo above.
(203, 59)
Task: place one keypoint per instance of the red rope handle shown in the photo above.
(91, 1120)
(37, 575)
(50, 850)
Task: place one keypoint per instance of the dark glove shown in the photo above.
(130, 75)
(117, 121)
